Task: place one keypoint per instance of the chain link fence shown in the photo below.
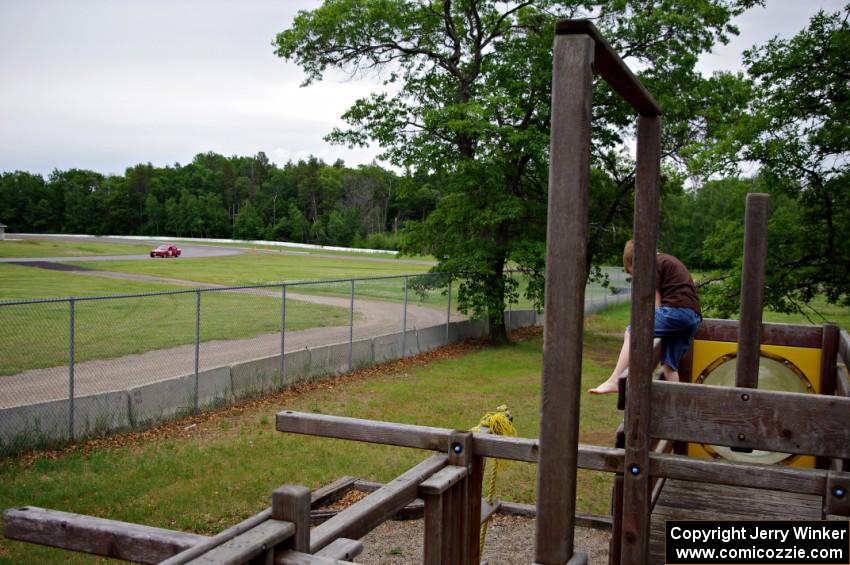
(72, 368)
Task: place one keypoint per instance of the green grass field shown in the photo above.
(36, 335)
(226, 468)
(48, 248)
(258, 268)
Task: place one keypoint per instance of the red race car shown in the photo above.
(166, 251)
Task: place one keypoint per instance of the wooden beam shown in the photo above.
(291, 503)
(773, 477)
(97, 536)
(844, 348)
(332, 492)
(404, 435)
(358, 519)
(752, 290)
(635, 536)
(488, 509)
(609, 65)
(248, 545)
(842, 382)
(341, 549)
(837, 496)
(442, 480)
(218, 539)
(752, 419)
(829, 354)
(292, 557)
(566, 275)
(461, 455)
(796, 335)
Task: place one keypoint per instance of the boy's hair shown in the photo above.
(629, 254)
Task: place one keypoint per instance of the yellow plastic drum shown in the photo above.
(782, 368)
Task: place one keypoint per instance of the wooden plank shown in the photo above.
(752, 419)
(842, 382)
(774, 477)
(638, 421)
(475, 482)
(446, 521)
(797, 335)
(442, 480)
(460, 454)
(829, 353)
(488, 509)
(358, 519)
(291, 503)
(752, 290)
(341, 549)
(685, 500)
(433, 542)
(609, 65)
(566, 273)
(332, 492)
(97, 536)
(844, 347)
(614, 543)
(292, 557)
(220, 538)
(828, 374)
(403, 435)
(837, 497)
(248, 545)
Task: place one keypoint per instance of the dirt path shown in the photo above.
(374, 318)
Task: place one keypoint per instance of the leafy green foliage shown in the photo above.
(797, 130)
(466, 108)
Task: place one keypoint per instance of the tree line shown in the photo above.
(214, 196)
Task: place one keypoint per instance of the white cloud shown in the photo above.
(106, 84)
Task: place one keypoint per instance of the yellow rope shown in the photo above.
(499, 423)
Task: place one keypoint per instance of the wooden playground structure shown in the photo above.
(649, 463)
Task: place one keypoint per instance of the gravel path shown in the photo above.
(510, 540)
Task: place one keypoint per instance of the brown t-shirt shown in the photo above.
(675, 284)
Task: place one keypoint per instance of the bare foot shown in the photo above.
(607, 387)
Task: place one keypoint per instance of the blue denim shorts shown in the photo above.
(676, 327)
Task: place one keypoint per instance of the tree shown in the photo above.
(470, 109)
(798, 132)
(248, 224)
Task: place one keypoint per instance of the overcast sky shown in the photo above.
(106, 84)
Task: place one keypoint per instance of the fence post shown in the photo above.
(197, 345)
(404, 322)
(351, 330)
(510, 304)
(282, 370)
(449, 311)
(71, 369)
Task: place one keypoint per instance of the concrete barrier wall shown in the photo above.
(145, 405)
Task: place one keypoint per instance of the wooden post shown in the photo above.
(641, 362)
(460, 455)
(566, 274)
(828, 371)
(291, 503)
(752, 290)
